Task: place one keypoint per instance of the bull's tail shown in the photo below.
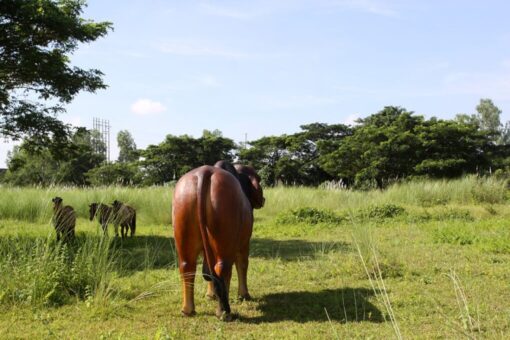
(203, 183)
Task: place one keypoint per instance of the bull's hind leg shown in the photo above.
(242, 274)
(223, 271)
(211, 294)
(187, 269)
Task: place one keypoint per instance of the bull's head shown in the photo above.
(57, 201)
(250, 182)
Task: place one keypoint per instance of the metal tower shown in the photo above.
(102, 140)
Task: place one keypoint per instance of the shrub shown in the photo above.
(308, 215)
(382, 211)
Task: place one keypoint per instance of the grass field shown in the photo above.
(419, 260)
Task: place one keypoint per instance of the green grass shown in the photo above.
(425, 259)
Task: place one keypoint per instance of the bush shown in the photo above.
(382, 211)
(308, 215)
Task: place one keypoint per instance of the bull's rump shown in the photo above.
(225, 209)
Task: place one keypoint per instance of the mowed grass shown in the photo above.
(424, 260)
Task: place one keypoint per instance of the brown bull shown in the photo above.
(213, 215)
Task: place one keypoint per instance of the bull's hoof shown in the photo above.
(226, 317)
(245, 297)
(192, 313)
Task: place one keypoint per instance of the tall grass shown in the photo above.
(367, 253)
(153, 204)
(41, 272)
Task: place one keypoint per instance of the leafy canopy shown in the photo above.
(36, 40)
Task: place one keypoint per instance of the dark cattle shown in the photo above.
(125, 216)
(103, 212)
(212, 215)
(64, 220)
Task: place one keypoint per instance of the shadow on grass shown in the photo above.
(342, 305)
(294, 249)
(156, 252)
(143, 252)
(146, 252)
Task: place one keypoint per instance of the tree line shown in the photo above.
(391, 145)
(37, 80)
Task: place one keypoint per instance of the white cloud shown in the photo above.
(145, 107)
(198, 49)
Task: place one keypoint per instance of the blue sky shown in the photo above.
(266, 67)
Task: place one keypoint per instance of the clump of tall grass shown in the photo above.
(365, 246)
(33, 204)
(467, 190)
(465, 324)
(41, 272)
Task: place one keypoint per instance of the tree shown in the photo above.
(176, 155)
(488, 115)
(450, 149)
(115, 174)
(293, 159)
(36, 40)
(48, 165)
(127, 147)
(382, 148)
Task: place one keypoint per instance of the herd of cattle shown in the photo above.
(64, 218)
(212, 215)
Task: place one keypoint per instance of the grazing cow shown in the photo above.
(212, 215)
(125, 216)
(64, 219)
(104, 213)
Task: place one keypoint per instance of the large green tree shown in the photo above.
(57, 163)
(176, 155)
(127, 147)
(450, 148)
(489, 116)
(381, 149)
(37, 79)
(294, 159)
